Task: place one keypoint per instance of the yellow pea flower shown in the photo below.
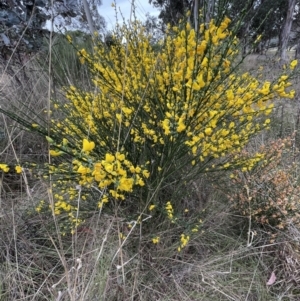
(87, 145)
(83, 170)
(293, 64)
(127, 111)
(155, 240)
(120, 157)
(4, 167)
(146, 173)
(54, 153)
(126, 184)
(181, 126)
(151, 207)
(69, 38)
(109, 158)
(208, 131)
(18, 169)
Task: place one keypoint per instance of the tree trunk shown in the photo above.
(196, 14)
(88, 16)
(297, 50)
(206, 7)
(286, 29)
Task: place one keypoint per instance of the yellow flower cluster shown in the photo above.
(182, 108)
(173, 93)
(170, 211)
(184, 239)
(62, 206)
(114, 171)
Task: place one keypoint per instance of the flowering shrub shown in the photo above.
(155, 120)
(269, 193)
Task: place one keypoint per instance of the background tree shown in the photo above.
(25, 23)
(270, 19)
(171, 11)
(261, 18)
(154, 27)
(286, 29)
(85, 18)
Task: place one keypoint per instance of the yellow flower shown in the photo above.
(266, 88)
(181, 126)
(151, 207)
(231, 125)
(87, 145)
(208, 131)
(156, 239)
(138, 169)
(69, 38)
(169, 206)
(146, 173)
(4, 167)
(83, 170)
(184, 239)
(110, 168)
(54, 153)
(140, 182)
(221, 34)
(126, 184)
(120, 157)
(293, 64)
(105, 199)
(119, 117)
(166, 126)
(126, 111)
(18, 169)
(109, 158)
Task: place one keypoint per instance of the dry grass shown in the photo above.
(37, 263)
